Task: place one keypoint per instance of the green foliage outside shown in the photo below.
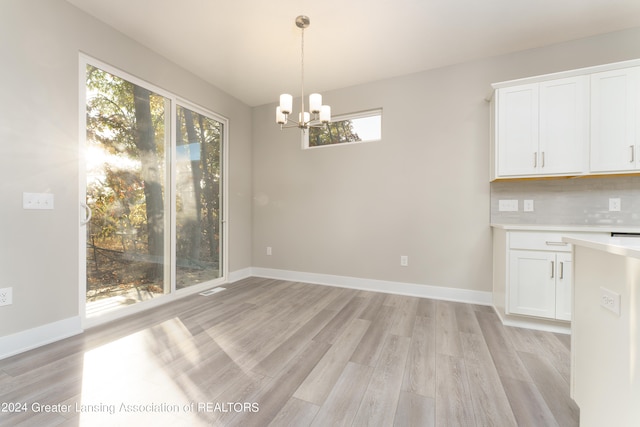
(127, 135)
(333, 133)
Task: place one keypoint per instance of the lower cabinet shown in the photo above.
(533, 273)
(535, 277)
(564, 286)
(540, 284)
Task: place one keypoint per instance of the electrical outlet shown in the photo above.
(404, 260)
(527, 205)
(610, 300)
(269, 251)
(614, 205)
(6, 296)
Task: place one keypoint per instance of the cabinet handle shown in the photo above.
(553, 267)
(633, 153)
(550, 243)
(535, 159)
(543, 159)
(561, 270)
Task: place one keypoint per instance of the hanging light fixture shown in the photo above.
(318, 114)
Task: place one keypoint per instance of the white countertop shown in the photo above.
(567, 228)
(625, 246)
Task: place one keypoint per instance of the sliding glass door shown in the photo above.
(152, 193)
(198, 197)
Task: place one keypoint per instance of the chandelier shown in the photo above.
(318, 114)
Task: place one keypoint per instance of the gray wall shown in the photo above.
(423, 191)
(39, 251)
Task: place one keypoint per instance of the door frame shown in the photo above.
(170, 241)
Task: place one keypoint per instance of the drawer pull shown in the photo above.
(551, 243)
(553, 267)
(561, 270)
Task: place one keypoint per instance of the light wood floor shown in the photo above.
(300, 355)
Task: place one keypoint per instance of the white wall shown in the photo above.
(40, 41)
(423, 191)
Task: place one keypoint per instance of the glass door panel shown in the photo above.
(126, 176)
(198, 183)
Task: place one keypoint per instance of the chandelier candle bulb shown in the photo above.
(325, 114)
(281, 118)
(286, 103)
(315, 103)
(304, 118)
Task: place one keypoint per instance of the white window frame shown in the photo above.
(344, 117)
(174, 100)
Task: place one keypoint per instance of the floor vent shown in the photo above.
(212, 291)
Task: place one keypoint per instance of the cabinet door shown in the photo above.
(614, 103)
(517, 130)
(564, 125)
(532, 289)
(564, 280)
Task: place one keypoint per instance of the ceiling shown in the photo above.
(251, 48)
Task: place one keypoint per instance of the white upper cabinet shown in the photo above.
(542, 128)
(564, 126)
(615, 114)
(517, 130)
(573, 123)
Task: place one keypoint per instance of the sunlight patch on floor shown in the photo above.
(133, 379)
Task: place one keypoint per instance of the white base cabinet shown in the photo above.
(540, 284)
(533, 274)
(564, 286)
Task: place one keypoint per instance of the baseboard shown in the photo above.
(535, 324)
(11, 345)
(245, 273)
(399, 288)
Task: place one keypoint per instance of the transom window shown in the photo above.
(365, 126)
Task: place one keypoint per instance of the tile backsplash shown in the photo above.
(573, 201)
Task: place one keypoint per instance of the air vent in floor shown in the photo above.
(212, 291)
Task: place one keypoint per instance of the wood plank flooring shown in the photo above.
(275, 353)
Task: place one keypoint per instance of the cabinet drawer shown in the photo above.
(538, 241)
(545, 240)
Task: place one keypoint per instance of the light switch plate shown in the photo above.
(508, 205)
(37, 200)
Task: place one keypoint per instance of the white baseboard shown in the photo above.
(535, 323)
(11, 345)
(565, 330)
(399, 288)
(245, 273)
